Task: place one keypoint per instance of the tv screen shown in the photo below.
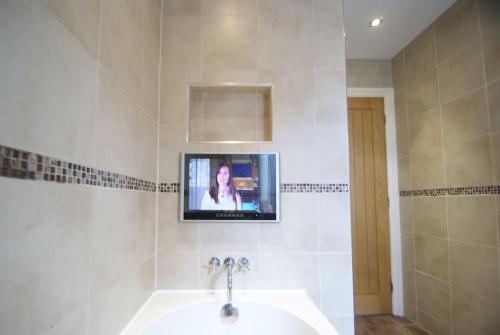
(242, 187)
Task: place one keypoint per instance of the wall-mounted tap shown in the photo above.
(213, 264)
(243, 264)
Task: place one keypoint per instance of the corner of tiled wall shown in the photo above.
(445, 88)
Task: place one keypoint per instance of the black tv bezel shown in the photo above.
(227, 216)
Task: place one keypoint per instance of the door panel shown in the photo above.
(369, 206)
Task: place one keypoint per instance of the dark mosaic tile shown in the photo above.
(472, 190)
(27, 165)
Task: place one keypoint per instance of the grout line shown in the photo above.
(158, 110)
(410, 181)
(440, 106)
(99, 38)
(493, 165)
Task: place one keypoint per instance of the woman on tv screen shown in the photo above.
(223, 195)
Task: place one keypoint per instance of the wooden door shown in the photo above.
(369, 206)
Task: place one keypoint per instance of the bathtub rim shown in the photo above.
(135, 325)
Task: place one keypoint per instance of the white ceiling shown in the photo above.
(403, 21)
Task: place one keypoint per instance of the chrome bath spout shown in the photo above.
(228, 312)
(229, 264)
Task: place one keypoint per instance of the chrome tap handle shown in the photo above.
(243, 264)
(213, 264)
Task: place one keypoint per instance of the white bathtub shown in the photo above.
(261, 312)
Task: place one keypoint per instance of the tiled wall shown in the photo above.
(369, 73)
(447, 88)
(298, 46)
(78, 82)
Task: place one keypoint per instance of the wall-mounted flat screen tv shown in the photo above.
(236, 187)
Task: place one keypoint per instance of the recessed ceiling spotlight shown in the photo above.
(376, 22)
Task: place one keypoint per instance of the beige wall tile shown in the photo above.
(432, 325)
(146, 146)
(405, 212)
(80, 18)
(398, 70)
(410, 311)
(429, 216)
(336, 298)
(489, 12)
(422, 94)
(334, 222)
(425, 131)
(331, 98)
(228, 238)
(174, 96)
(178, 271)
(296, 272)
(230, 76)
(17, 218)
(275, 38)
(174, 236)
(475, 314)
(40, 111)
(331, 164)
(402, 137)
(400, 105)
(408, 247)
(420, 55)
(136, 9)
(117, 129)
(461, 73)
(469, 163)
(111, 309)
(152, 26)
(294, 96)
(285, 8)
(495, 140)
(433, 297)
(298, 230)
(474, 269)
(404, 179)
(409, 287)
(431, 256)
(494, 105)
(45, 271)
(491, 45)
(229, 43)
(465, 118)
(185, 33)
(368, 73)
(147, 226)
(149, 85)
(121, 46)
(426, 169)
(76, 322)
(329, 45)
(229, 7)
(456, 29)
(473, 219)
(114, 240)
(182, 7)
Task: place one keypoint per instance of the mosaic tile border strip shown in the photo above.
(284, 188)
(168, 187)
(22, 164)
(314, 188)
(471, 190)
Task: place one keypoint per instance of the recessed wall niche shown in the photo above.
(230, 113)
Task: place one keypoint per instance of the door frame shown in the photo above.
(392, 188)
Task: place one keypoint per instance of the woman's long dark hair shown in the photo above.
(214, 190)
